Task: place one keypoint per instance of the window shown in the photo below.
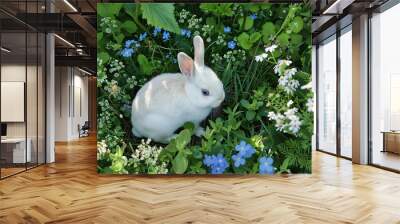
(327, 95)
(385, 89)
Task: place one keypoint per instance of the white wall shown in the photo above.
(69, 82)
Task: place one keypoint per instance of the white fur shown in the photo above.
(169, 100)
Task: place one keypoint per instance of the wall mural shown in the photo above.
(204, 88)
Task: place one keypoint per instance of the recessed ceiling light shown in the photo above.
(5, 50)
(64, 40)
(84, 71)
(70, 5)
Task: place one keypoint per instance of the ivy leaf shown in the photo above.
(297, 24)
(145, 65)
(180, 163)
(160, 15)
(108, 9)
(129, 26)
(268, 29)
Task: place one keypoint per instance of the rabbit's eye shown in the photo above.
(205, 92)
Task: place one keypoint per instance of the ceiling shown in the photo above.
(74, 22)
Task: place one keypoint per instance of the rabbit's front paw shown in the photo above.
(199, 131)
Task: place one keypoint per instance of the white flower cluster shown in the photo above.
(206, 31)
(220, 40)
(216, 58)
(286, 80)
(108, 24)
(263, 56)
(193, 22)
(235, 55)
(288, 122)
(183, 15)
(101, 149)
(148, 156)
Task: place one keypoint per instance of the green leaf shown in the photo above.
(245, 103)
(254, 37)
(218, 9)
(130, 9)
(250, 114)
(244, 41)
(297, 24)
(296, 39)
(183, 139)
(160, 15)
(189, 126)
(248, 24)
(145, 65)
(180, 163)
(211, 21)
(129, 26)
(268, 29)
(104, 57)
(108, 9)
(283, 39)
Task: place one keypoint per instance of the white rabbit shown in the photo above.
(169, 100)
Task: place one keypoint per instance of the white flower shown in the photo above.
(307, 86)
(261, 57)
(280, 64)
(310, 105)
(289, 103)
(271, 48)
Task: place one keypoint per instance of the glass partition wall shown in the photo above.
(385, 90)
(334, 94)
(22, 77)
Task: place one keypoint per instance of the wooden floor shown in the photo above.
(70, 191)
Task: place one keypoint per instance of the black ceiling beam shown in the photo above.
(79, 61)
(49, 22)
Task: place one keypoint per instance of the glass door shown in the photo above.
(326, 90)
(345, 59)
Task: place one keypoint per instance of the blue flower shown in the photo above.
(245, 150)
(142, 36)
(227, 29)
(186, 33)
(266, 165)
(129, 43)
(156, 31)
(165, 36)
(127, 52)
(218, 164)
(231, 44)
(238, 160)
(253, 16)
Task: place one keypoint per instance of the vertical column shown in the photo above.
(360, 90)
(50, 92)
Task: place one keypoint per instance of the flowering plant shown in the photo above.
(260, 51)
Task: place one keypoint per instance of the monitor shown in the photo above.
(3, 129)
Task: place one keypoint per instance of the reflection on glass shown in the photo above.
(385, 87)
(327, 95)
(13, 86)
(346, 92)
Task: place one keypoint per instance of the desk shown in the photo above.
(16, 147)
(391, 141)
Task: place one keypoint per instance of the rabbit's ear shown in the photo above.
(198, 50)
(185, 64)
